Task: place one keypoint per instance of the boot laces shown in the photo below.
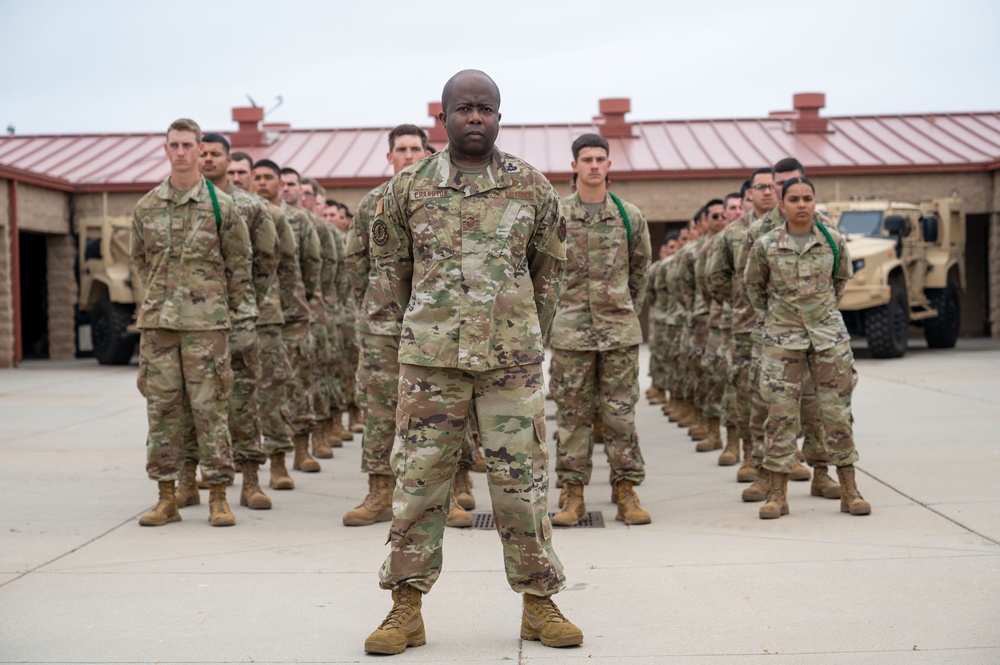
(548, 610)
(397, 615)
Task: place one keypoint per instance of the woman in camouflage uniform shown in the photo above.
(795, 276)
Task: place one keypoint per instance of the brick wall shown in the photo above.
(42, 210)
(62, 295)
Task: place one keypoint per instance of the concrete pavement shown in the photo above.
(918, 581)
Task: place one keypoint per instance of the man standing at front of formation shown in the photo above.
(191, 249)
(596, 335)
(470, 245)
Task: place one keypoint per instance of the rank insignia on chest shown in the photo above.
(510, 167)
(380, 232)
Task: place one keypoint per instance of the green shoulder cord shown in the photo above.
(833, 246)
(628, 227)
(218, 215)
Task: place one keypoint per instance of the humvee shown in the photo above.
(109, 290)
(909, 267)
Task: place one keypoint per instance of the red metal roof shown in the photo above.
(670, 149)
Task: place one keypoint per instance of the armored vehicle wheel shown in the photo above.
(942, 332)
(886, 326)
(108, 324)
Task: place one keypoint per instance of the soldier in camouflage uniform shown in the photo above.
(656, 393)
(191, 249)
(665, 284)
(712, 379)
(305, 392)
(795, 276)
(378, 325)
(813, 446)
(596, 335)
(695, 335)
(469, 243)
(244, 421)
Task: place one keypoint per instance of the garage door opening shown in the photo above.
(34, 296)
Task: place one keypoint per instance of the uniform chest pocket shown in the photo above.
(787, 269)
(510, 237)
(156, 231)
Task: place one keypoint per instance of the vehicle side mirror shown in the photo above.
(929, 227)
(897, 225)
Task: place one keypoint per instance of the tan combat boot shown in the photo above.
(461, 488)
(340, 433)
(672, 409)
(573, 508)
(356, 419)
(251, 495)
(747, 473)
(714, 439)
(777, 496)
(761, 486)
(542, 620)
(303, 461)
(800, 472)
(479, 465)
(658, 396)
(685, 414)
(851, 500)
(699, 428)
(322, 435)
(280, 480)
(458, 517)
(165, 509)
(218, 508)
(403, 626)
(377, 506)
(187, 486)
(629, 510)
(731, 455)
(823, 485)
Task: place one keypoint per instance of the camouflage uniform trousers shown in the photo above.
(729, 396)
(348, 362)
(613, 378)
(810, 420)
(783, 374)
(672, 343)
(300, 388)
(179, 370)
(434, 404)
(657, 355)
(332, 375)
(377, 386)
(696, 385)
(739, 385)
(322, 397)
(244, 422)
(713, 376)
(271, 393)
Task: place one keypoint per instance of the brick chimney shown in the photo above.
(807, 105)
(612, 119)
(249, 133)
(438, 135)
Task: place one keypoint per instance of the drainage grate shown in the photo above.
(592, 520)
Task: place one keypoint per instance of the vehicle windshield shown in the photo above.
(864, 222)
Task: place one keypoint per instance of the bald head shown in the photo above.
(466, 76)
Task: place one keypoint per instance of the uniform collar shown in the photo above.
(495, 176)
(167, 192)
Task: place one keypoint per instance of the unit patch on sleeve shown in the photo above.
(380, 233)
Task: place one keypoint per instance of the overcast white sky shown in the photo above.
(114, 65)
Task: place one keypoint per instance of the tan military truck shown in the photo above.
(909, 266)
(108, 289)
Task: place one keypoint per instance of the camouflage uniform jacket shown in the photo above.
(378, 313)
(328, 304)
(668, 282)
(725, 272)
(342, 281)
(196, 273)
(310, 254)
(264, 241)
(604, 279)
(713, 307)
(689, 296)
(653, 299)
(292, 292)
(473, 262)
(795, 291)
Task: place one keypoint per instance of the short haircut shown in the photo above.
(267, 164)
(242, 157)
(406, 130)
(312, 183)
(347, 211)
(331, 203)
(744, 187)
(713, 202)
(788, 164)
(763, 169)
(185, 125)
(212, 137)
(449, 87)
(797, 181)
(671, 235)
(734, 195)
(697, 215)
(590, 141)
(288, 170)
